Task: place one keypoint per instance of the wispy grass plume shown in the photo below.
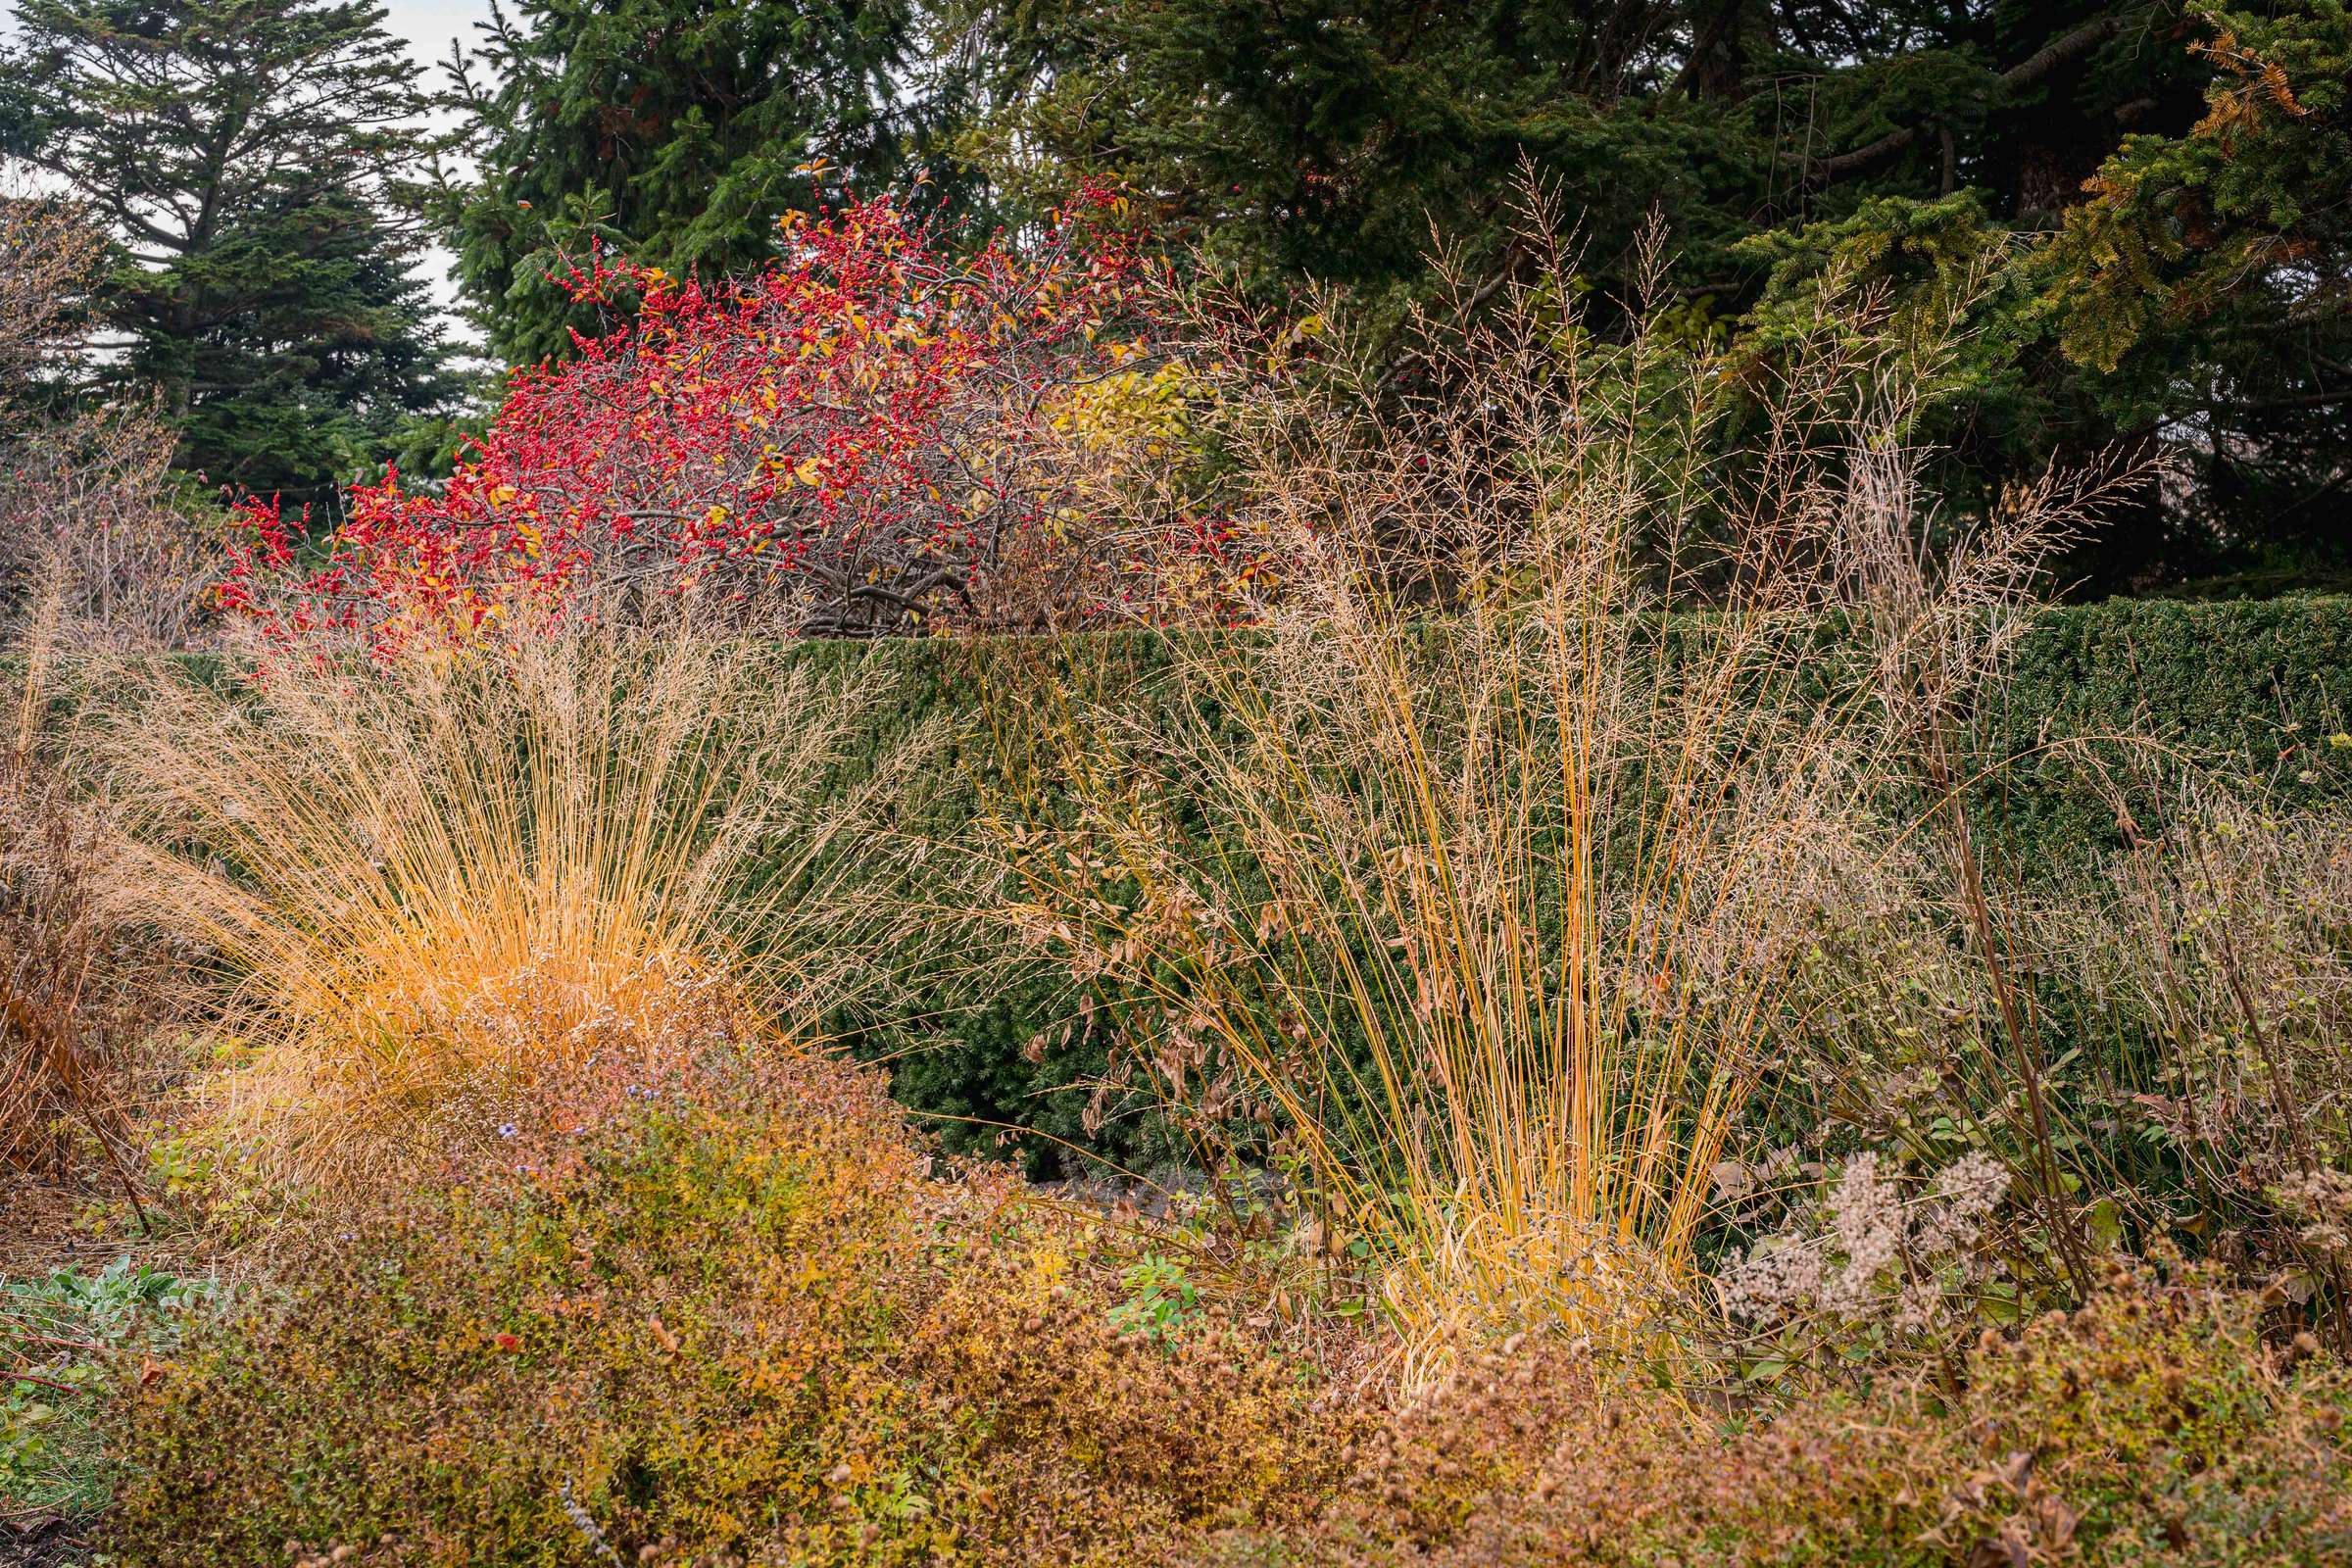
(458, 869)
(1468, 888)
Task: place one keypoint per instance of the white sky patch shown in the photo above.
(429, 27)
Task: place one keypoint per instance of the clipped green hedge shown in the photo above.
(2256, 686)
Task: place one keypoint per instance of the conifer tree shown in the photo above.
(673, 131)
(2146, 194)
(252, 159)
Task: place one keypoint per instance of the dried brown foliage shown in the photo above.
(48, 252)
(2151, 1425)
(736, 1316)
(98, 548)
(2219, 939)
(72, 1011)
(725, 1315)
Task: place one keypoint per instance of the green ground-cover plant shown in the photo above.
(64, 1338)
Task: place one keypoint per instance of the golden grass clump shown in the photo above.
(1529, 793)
(443, 876)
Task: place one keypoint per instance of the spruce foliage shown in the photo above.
(675, 131)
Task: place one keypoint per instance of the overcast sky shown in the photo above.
(428, 27)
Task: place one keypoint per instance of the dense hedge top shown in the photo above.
(2259, 687)
(2255, 686)
(2250, 679)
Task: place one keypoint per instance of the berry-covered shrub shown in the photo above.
(888, 428)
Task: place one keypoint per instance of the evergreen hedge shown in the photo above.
(2257, 687)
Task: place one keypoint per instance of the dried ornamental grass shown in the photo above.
(457, 872)
(72, 1000)
(1520, 867)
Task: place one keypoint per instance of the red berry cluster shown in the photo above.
(848, 443)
